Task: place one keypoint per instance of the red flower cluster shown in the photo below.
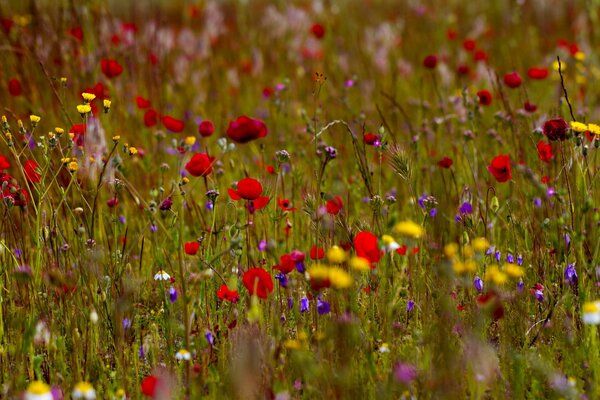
(224, 293)
(258, 281)
(545, 151)
(555, 129)
(10, 191)
(200, 165)
(334, 205)
(500, 168)
(111, 68)
(245, 129)
(286, 264)
(365, 244)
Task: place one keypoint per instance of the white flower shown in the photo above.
(389, 244)
(183, 354)
(384, 348)
(84, 390)
(162, 276)
(38, 390)
(591, 313)
(94, 317)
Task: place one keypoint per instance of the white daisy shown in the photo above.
(162, 276)
(38, 390)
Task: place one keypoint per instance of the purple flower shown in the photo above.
(550, 192)
(567, 239)
(410, 305)
(18, 253)
(478, 284)
(520, 286)
(282, 278)
(57, 393)
(519, 260)
(209, 205)
(262, 245)
(490, 251)
(498, 255)
(126, 323)
(122, 219)
(466, 208)
(141, 353)
(166, 204)
(510, 259)
(433, 212)
(537, 202)
(209, 338)
(571, 274)
(290, 303)
(153, 228)
(349, 83)
(539, 295)
(303, 304)
(323, 307)
(172, 294)
(405, 373)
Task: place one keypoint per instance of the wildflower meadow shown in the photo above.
(303, 199)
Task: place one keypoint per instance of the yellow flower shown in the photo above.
(84, 109)
(84, 390)
(580, 56)
(185, 180)
(360, 264)
(106, 104)
(465, 267)
(389, 243)
(339, 278)
(480, 244)
(555, 65)
(59, 131)
(578, 126)
(336, 255)
(514, 271)
(318, 272)
(494, 274)
(409, 228)
(73, 166)
(292, 344)
(34, 119)
(132, 151)
(595, 129)
(450, 250)
(190, 140)
(116, 138)
(591, 313)
(38, 390)
(183, 355)
(88, 96)
(63, 80)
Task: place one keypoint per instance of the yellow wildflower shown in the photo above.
(132, 151)
(34, 119)
(494, 274)
(59, 131)
(360, 264)
(595, 129)
(514, 271)
(409, 228)
(339, 278)
(578, 126)
(336, 255)
(84, 109)
(480, 244)
(190, 140)
(73, 166)
(88, 96)
(450, 250)
(580, 56)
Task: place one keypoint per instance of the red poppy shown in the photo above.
(555, 129)
(14, 87)
(191, 248)
(225, 294)
(112, 202)
(500, 168)
(529, 107)
(334, 205)
(545, 179)
(451, 34)
(286, 264)
(115, 39)
(111, 68)
(7, 24)
(31, 174)
(402, 250)
(78, 131)
(317, 254)
(590, 136)
(318, 31)
(545, 151)
(480, 55)
(370, 138)
(258, 281)
(537, 73)
(445, 162)
(150, 118)
(365, 244)
(4, 164)
(206, 128)
(485, 97)
(469, 45)
(142, 102)
(513, 80)
(153, 58)
(463, 69)
(200, 165)
(285, 204)
(149, 386)
(430, 61)
(172, 124)
(244, 129)
(270, 169)
(77, 33)
(247, 188)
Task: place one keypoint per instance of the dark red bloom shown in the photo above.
(111, 68)
(334, 205)
(149, 386)
(529, 107)
(500, 168)
(150, 118)
(317, 254)
(430, 61)
(365, 244)
(370, 138)
(445, 162)
(4, 164)
(225, 294)
(206, 128)
(14, 87)
(112, 202)
(7, 25)
(463, 69)
(258, 281)
(77, 33)
(285, 204)
(191, 248)
(469, 45)
(172, 124)
(537, 73)
(200, 165)
(78, 131)
(555, 129)
(247, 188)
(480, 55)
(513, 80)
(318, 31)
(30, 168)
(244, 129)
(485, 97)
(286, 264)
(545, 179)
(141, 102)
(545, 151)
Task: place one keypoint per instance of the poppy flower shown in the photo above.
(206, 128)
(172, 124)
(500, 168)
(463, 69)
(284, 204)
(78, 132)
(485, 97)
(480, 55)
(286, 264)
(149, 385)
(318, 31)
(430, 61)
(4, 164)
(529, 107)
(14, 87)
(317, 254)
(111, 68)
(77, 33)
(555, 129)
(537, 73)
(245, 129)
(545, 151)
(200, 165)
(142, 103)
(258, 281)
(513, 80)
(445, 162)
(191, 248)
(251, 190)
(7, 24)
(469, 45)
(150, 118)
(31, 174)
(370, 138)
(225, 294)
(334, 205)
(365, 244)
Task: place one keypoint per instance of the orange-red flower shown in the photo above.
(244, 129)
(258, 281)
(500, 168)
(200, 165)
